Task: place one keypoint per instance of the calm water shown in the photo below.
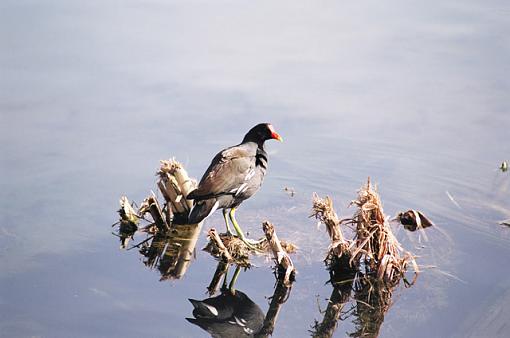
(93, 94)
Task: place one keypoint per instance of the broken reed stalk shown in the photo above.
(285, 265)
(375, 243)
(175, 184)
(151, 205)
(338, 258)
(323, 211)
(223, 251)
(127, 213)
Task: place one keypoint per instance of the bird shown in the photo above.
(234, 175)
(231, 314)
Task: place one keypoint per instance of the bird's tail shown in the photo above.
(201, 210)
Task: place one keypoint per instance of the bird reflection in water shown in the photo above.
(232, 313)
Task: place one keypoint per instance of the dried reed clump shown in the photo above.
(237, 251)
(375, 244)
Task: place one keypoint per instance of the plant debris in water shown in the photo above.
(169, 243)
(128, 222)
(505, 222)
(363, 270)
(413, 220)
(338, 258)
(504, 166)
(238, 250)
(290, 191)
(285, 270)
(373, 247)
(376, 245)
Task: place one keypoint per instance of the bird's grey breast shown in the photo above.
(252, 177)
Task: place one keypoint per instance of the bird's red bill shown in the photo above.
(276, 136)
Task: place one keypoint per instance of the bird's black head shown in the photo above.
(261, 133)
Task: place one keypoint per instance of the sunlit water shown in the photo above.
(94, 94)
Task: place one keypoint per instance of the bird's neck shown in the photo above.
(255, 145)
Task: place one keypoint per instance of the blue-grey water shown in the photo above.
(94, 93)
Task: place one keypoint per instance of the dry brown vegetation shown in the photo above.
(373, 248)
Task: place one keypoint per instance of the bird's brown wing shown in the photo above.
(225, 174)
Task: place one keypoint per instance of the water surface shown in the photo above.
(93, 94)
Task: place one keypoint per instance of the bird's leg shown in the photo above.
(238, 229)
(250, 243)
(229, 231)
(231, 287)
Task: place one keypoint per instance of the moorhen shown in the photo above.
(235, 174)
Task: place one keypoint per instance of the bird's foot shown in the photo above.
(229, 233)
(253, 244)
